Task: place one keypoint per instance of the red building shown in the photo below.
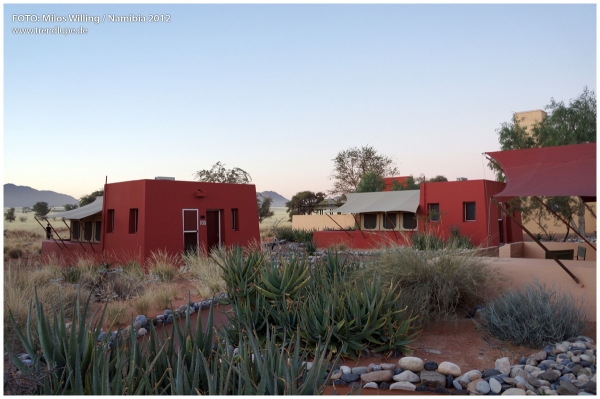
(438, 208)
(136, 218)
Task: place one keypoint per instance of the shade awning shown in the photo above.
(561, 171)
(383, 201)
(80, 213)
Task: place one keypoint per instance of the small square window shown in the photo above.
(370, 221)
(390, 221)
(133, 221)
(469, 211)
(409, 221)
(433, 212)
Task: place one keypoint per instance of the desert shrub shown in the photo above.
(124, 284)
(426, 241)
(164, 294)
(205, 273)
(312, 302)
(303, 235)
(285, 233)
(457, 240)
(71, 275)
(163, 265)
(142, 304)
(15, 253)
(116, 313)
(433, 284)
(20, 284)
(311, 247)
(535, 315)
(204, 365)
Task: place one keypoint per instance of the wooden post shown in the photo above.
(56, 242)
(550, 254)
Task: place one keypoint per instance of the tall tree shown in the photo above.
(89, 198)
(370, 182)
(352, 164)
(303, 202)
(219, 174)
(574, 123)
(41, 209)
(264, 207)
(9, 215)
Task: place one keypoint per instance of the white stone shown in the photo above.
(495, 385)
(407, 376)
(371, 385)
(561, 348)
(449, 368)
(142, 331)
(503, 365)
(483, 387)
(403, 385)
(411, 363)
(346, 369)
(474, 374)
(514, 392)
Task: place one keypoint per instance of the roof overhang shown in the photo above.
(383, 201)
(560, 171)
(80, 213)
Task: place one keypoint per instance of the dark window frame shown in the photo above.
(387, 218)
(133, 220)
(110, 221)
(235, 219)
(433, 215)
(467, 213)
(414, 219)
(365, 221)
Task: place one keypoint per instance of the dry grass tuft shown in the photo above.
(164, 265)
(164, 294)
(205, 273)
(116, 313)
(434, 283)
(143, 303)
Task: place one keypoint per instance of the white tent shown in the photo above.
(79, 213)
(383, 201)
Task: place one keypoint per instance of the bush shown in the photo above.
(426, 241)
(9, 215)
(205, 273)
(433, 284)
(164, 265)
(285, 233)
(15, 253)
(535, 315)
(312, 302)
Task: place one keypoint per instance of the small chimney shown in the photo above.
(461, 179)
(164, 178)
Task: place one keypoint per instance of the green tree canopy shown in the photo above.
(370, 182)
(351, 165)
(219, 174)
(303, 202)
(264, 207)
(89, 198)
(70, 207)
(41, 209)
(9, 215)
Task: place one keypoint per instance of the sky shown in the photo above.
(278, 90)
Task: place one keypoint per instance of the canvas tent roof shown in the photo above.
(80, 213)
(383, 201)
(568, 170)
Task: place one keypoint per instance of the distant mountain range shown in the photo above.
(278, 200)
(20, 196)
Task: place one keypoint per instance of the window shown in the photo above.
(97, 231)
(87, 230)
(234, 219)
(390, 221)
(110, 221)
(133, 221)
(433, 212)
(74, 230)
(370, 221)
(409, 221)
(469, 211)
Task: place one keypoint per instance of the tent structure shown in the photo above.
(561, 171)
(568, 170)
(383, 201)
(79, 213)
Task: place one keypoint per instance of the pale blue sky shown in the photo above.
(279, 90)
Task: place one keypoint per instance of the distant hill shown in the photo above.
(278, 200)
(20, 196)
